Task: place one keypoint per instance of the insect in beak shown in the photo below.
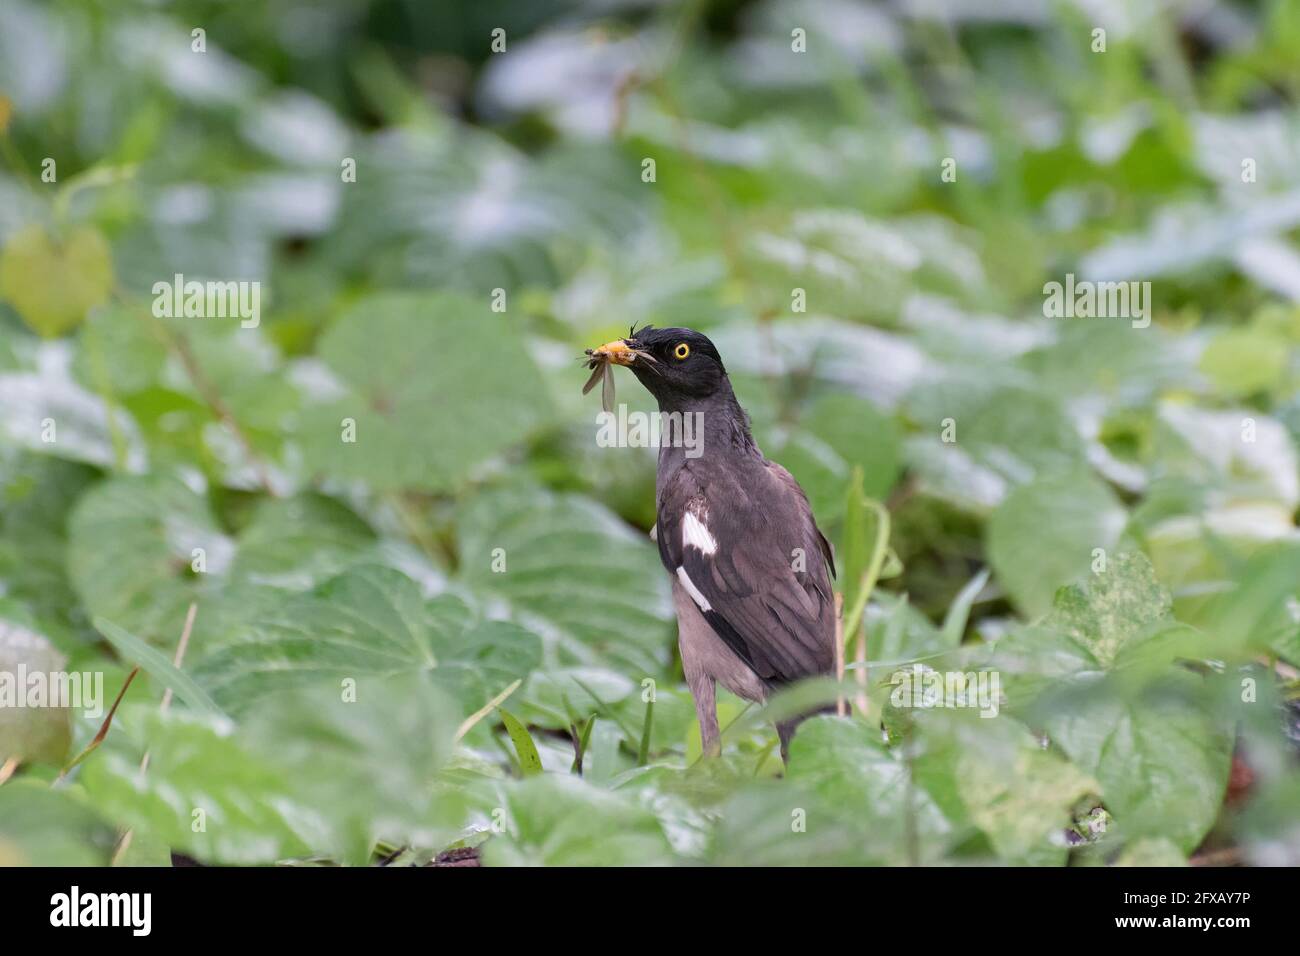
(618, 352)
(602, 362)
(602, 370)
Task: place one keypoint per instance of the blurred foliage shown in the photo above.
(384, 496)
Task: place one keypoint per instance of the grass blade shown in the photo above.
(530, 761)
(156, 665)
(468, 723)
(954, 622)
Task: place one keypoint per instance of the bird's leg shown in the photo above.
(706, 709)
(785, 730)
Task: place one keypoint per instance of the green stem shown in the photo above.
(90, 179)
(644, 752)
(869, 577)
(854, 626)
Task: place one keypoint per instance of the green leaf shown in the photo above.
(321, 769)
(135, 651)
(603, 757)
(954, 622)
(1120, 606)
(851, 265)
(1034, 657)
(366, 757)
(53, 282)
(47, 412)
(1148, 851)
(204, 794)
(1245, 453)
(477, 659)
(898, 632)
(44, 827)
(1266, 828)
(132, 551)
(560, 820)
(847, 357)
(1143, 728)
(121, 343)
(595, 587)
(1045, 532)
(993, 773)
(981, 438)
(1243, 361)
(839, 433)
(781, 823)
(408, 365)
(529, 760)
(1254, 615)
(368, 620)
(555, 697)
(36, 493)
(299, 542)
(846, 765)
(1161, 755)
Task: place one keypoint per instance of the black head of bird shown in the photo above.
(679, 367)
(750, 571)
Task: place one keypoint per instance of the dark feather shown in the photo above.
(780, 622)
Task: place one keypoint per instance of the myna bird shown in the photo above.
(751, 572)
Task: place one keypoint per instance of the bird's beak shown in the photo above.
(618, 352)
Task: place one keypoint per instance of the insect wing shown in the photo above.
(595, 377)
(607, 389)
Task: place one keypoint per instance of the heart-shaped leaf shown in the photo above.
(54, 282)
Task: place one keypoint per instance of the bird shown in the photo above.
(750, 570)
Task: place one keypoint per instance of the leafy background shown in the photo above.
(351, 619)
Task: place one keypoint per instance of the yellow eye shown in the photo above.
(682, 350)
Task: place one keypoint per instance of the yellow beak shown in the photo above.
(618, 352)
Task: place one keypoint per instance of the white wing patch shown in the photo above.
(695, 533)
(701, 601)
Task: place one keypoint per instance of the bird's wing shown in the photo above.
(749, 554)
